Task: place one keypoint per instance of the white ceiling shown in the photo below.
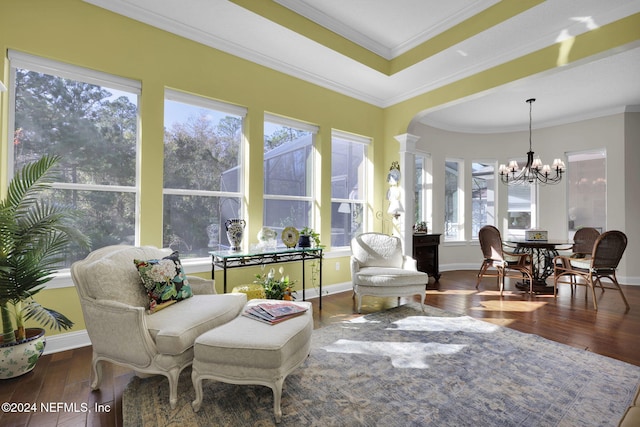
(599, 86)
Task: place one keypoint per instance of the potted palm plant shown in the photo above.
(34, 236)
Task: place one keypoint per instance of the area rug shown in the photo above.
(402, 367)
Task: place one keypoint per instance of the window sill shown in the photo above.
(191, 265)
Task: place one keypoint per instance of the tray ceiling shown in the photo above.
(384, 52)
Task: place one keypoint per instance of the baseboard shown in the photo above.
(326, 290)
(66, 341)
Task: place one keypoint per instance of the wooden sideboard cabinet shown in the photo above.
(425, 251)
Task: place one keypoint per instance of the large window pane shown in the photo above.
(202, 172)
(419, 190)
(90, 120)
(348, 186)
(108, 217)
(482, 196)
(453, 213)
(519, 209)
(192, 223)
(283, 213)
(423, 191)
(587, 190)
(288, 173)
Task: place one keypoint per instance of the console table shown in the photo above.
(425, 252)
(226, 259)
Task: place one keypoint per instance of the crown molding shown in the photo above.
(336, 26)
(230, 47)
(560, 121)
(308, 11)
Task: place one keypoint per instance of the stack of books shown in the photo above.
(274, 312)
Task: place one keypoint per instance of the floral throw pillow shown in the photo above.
(164, 281)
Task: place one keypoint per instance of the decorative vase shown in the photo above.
(235, 232)
(304, 241)
(19, 358)
(267, 238)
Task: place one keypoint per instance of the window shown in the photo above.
(348, 186)
(288, 173)
(483, 197)
(521, 209)
(422, 191)
(453, 200)
(587, 190)
(202, 172)
(90, 120)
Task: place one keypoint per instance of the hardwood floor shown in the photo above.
(63, 378)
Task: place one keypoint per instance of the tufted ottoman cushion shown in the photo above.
(246, 351)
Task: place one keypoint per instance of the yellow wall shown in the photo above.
(78, 33)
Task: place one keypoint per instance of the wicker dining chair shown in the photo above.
(605, 257)
(583, 241)
(505, 263)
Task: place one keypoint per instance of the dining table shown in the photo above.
(542, 253)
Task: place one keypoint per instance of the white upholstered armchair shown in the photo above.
(121, 329)
(378, 268)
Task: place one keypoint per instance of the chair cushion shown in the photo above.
(376, 249)
(114, 276)
(164, 281)
(175, 328)
(246, 343)
(584, 263)
(381, 276)
(514, 259)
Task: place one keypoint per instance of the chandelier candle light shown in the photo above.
(533, 171)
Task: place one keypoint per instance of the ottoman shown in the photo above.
(246, 351)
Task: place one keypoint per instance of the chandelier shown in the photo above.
(533, 171)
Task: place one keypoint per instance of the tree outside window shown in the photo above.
(202, 172)
(92, 126)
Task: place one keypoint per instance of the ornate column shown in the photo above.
(404, 223)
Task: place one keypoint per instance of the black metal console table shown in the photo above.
(226, 259)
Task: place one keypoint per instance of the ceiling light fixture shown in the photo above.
(533, 171)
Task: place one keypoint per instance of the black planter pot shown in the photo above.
(304, 241)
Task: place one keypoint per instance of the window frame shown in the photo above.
(518, 233)
(33, 63)
(218, 106)
(460, 201)
(366, 142)
(592, 154)
(487, 162)
(312, 175)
